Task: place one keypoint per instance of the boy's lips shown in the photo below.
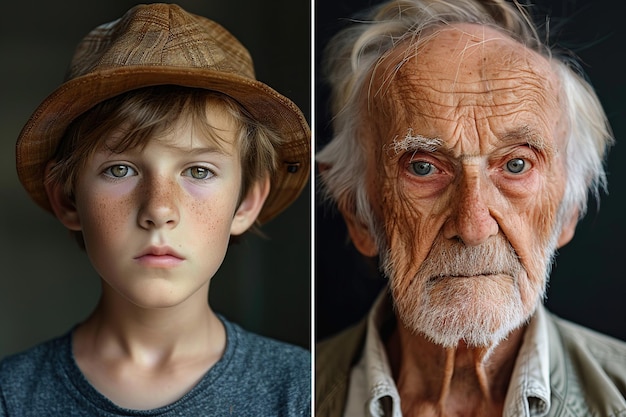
(159, 256)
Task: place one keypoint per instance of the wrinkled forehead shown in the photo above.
(458, 65)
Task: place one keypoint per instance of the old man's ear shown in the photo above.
(568, 229)
(360, 234)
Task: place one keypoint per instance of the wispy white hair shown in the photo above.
(355, 51)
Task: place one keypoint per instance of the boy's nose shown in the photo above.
(158, 206)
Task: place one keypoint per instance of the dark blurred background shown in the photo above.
(588, 282)
(47, 284)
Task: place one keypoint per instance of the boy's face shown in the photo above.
(156, 221)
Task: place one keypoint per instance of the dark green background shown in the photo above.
(47, 284)
(588, 283)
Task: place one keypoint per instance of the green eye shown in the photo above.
(200, 173)
(119, 171)
(516, 165)
(422, 168)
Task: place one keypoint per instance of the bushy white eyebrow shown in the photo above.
(413, 142)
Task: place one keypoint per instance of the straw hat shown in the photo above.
(158, 44)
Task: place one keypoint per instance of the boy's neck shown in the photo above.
(128, 353)
(164, 331)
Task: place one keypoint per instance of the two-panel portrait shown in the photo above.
(377, 208)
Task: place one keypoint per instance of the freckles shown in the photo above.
(102, 220)
(112, 214)
(206, 215)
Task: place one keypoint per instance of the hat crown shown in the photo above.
(162, 44)
(161, 35)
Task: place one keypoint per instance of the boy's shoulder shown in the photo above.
(267, 355)
(35, 372)
(261, 376)
(30, 362)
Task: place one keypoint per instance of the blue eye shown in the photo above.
(516, 165)
(119, 171)
(199, 173)
(422, 168)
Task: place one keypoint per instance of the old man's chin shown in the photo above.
(475, 295)
(477, 311)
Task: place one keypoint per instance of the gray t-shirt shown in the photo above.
(256, 377)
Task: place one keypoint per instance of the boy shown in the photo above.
(160, 146)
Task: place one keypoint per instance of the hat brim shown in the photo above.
(42, 133)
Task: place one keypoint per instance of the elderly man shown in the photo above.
(462, 156)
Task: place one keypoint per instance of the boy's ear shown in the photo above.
(62, 205)
(250, 206)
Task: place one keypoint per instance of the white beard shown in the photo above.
(466, 311)
(468, 294)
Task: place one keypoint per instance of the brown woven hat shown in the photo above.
(160, 44)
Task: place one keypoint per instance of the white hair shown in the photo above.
(355, 51)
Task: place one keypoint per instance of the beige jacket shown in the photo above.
(587, 375)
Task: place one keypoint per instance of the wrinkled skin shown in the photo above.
(488, 188)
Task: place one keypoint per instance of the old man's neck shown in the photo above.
(460, 381)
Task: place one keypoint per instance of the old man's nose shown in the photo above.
(471, 219)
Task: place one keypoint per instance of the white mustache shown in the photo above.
(453, 259)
